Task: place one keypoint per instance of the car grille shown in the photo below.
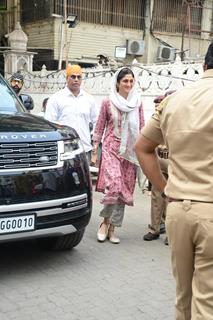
(28, 155)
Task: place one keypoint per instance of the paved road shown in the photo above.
(94, 281)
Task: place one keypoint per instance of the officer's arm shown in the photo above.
(145, 151)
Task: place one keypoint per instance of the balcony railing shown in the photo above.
(175, 16)
(121, 13)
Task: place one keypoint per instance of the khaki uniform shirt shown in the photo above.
(184, 121)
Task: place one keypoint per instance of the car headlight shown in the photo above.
(71, 149)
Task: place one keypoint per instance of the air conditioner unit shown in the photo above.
(165, 53)
(135, 47)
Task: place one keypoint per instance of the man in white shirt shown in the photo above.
(73, 107)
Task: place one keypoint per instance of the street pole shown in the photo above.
(189, 27)
(65, 32)
(61, 45)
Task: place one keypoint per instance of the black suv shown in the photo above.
(45, 186)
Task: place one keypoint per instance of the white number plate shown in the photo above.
(17, 224)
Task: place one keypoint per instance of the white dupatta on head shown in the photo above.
(130, 119)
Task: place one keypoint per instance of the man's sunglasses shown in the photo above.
(73, 77)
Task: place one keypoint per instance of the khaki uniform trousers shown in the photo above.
(189, 226)
(158, 204)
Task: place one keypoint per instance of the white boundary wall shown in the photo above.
(152, 80)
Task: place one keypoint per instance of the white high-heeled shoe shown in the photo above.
(101, 237)
(111, 235)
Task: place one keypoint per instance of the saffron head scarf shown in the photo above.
(72, 69)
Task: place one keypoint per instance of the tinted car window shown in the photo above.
(9, 103)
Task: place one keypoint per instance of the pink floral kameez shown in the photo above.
(117, 176)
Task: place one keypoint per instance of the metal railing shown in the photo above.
(121, 13)
(177, 16)
(150, 78)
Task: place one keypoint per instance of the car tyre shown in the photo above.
(65, 242)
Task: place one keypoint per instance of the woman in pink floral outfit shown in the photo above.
(119, 122)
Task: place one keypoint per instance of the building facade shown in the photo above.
(110, 31)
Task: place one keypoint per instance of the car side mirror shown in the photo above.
(27, 101)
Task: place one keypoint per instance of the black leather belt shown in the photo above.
(181, 200)
(173, 200)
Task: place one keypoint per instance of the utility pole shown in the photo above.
(61, 44)
(186, 22)
(183, 35)
(64, 45)
(65, 33)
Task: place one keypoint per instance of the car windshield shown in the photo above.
(9, 103)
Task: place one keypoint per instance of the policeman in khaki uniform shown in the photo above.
(158, 204)
(184, 121)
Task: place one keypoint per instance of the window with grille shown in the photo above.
(34, 10)
(177, 16)
(121, 13)
(3, 5)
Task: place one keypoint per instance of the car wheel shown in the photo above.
(65, 242)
